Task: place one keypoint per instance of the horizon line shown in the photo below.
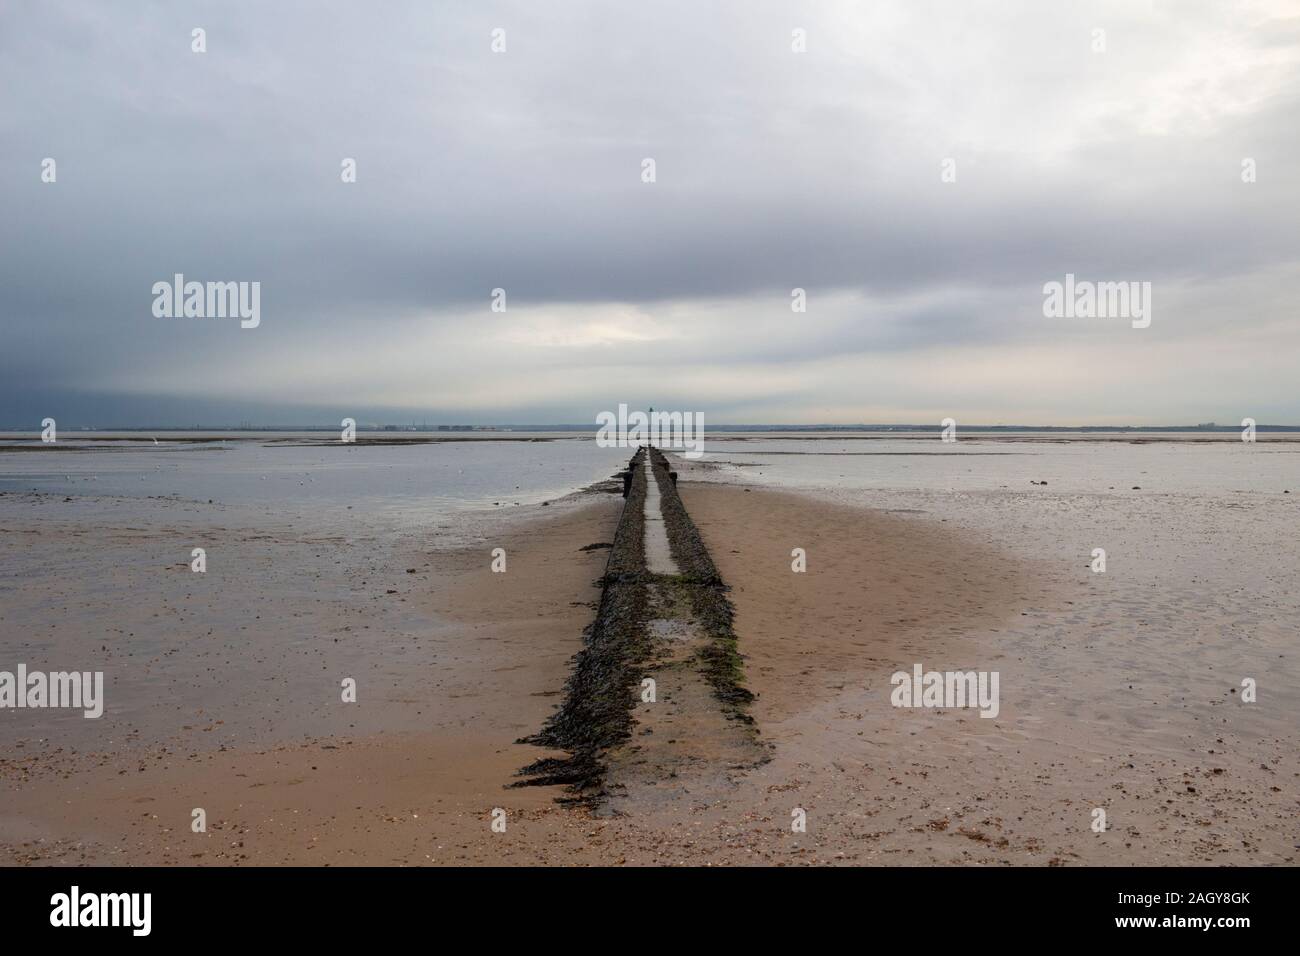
(462, 427)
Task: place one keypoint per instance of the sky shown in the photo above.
(921, 170)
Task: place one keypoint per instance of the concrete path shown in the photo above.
(686, 751)
(658, 556)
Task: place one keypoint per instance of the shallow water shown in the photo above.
(986, 464)
(392, 485)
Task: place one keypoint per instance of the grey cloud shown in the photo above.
(521, 171)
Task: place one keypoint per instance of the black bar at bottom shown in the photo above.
(642, 906)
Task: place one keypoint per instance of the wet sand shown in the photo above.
(1182, 782)
(498, 649)
(1182, 779)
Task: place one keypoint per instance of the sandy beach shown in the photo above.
(402, 798)
(458, 663)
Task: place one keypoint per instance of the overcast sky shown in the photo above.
(522, 170)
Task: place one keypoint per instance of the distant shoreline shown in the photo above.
(464, 432)
(73, 439)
